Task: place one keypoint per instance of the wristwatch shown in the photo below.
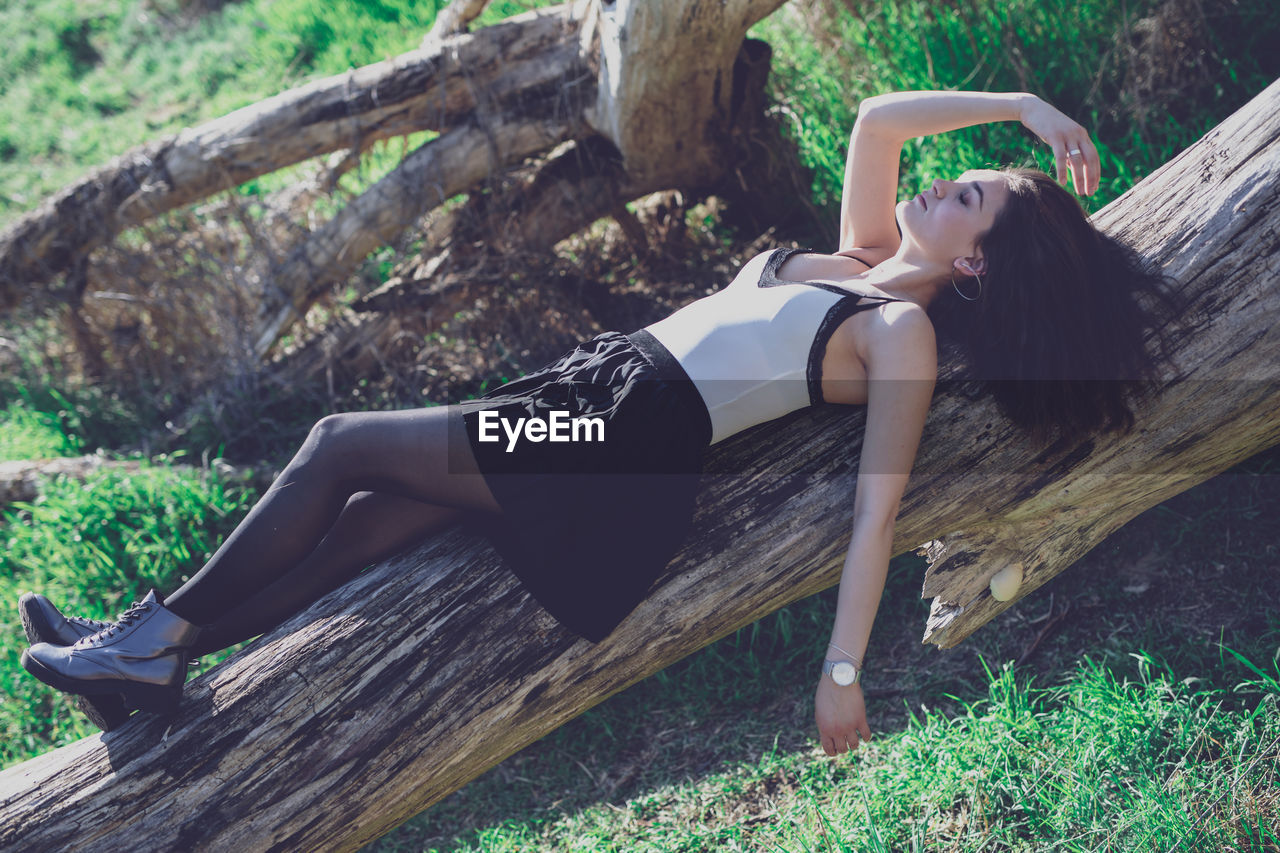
(842, 672)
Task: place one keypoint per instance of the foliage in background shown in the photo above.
(1146, 78)
(88, 415)
(83, 81)
(30, 434)
(94, 547)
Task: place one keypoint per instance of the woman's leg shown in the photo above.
(372, 527)
(420, 455)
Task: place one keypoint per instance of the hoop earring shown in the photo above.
(957, 287)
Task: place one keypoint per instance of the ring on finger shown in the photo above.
(1073, 152)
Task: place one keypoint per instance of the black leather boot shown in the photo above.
(142, 656)
(44, 624)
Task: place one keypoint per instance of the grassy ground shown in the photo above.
(83, 81)
(1140, 76)
(94, 547)
(1108, 711)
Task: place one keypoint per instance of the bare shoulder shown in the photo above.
(900, 341)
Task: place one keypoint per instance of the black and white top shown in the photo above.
(754, 349)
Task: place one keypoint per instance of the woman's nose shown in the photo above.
(939, 188)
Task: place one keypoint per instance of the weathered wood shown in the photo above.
(425, 179)
(433, 88)
(418, 675)
(1209, 218)
(452, 19)
(588, 179)
(666, 89)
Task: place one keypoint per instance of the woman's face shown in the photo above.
(943, 224)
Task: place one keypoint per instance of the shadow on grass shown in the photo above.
(1180, 581)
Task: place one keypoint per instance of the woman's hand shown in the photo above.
(1072, 148)
(841, 716)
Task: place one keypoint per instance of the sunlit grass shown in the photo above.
(28, 434)
(84, 82)
(1074, 56)
(1099, 762)
(93, 547)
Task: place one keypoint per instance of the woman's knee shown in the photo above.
(330, 438)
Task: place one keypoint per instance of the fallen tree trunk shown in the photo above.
(426, 178)
(433, 88)
(666, 86)
(417, 676)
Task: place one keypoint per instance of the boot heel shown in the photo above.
(142, 657)
(153, 698)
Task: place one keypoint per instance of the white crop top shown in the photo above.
(754, 349)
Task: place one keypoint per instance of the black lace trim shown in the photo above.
(849, 304)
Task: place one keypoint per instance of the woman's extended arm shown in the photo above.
(885, 122)
(901, 368)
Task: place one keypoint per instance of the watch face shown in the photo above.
(843, 673)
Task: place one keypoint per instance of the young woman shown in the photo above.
(1006, 260)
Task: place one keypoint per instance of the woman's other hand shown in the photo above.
(1072, 148)
(841, 716)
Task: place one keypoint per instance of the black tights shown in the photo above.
(362, 487)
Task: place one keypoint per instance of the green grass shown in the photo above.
(40, 401)
(1075, 56)
(83, 82)
(1100, 762)
(93, 547)
(29, 434)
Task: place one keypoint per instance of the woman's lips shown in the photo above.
(923, 203)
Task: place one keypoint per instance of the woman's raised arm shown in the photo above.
(885, 122)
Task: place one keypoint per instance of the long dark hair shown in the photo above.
(1058, 332)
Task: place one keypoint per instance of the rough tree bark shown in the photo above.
(1210, 218)
(412, 680)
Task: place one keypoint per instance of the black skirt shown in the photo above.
(589, 522)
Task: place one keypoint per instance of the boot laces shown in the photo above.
(92, 624)
(135, 612)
